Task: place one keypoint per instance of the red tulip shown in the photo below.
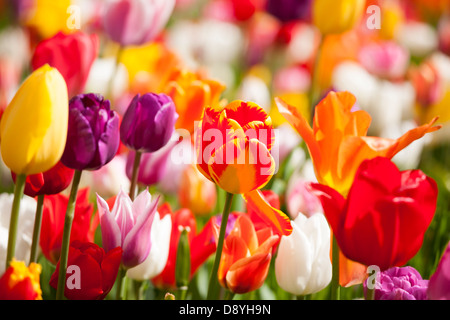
(386, 214)
(202, 245)
(93, 271)
(20, 282)
(72, 54)
(50, 182)
(54, 211)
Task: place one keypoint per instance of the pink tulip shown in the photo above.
(135, 22)
(128, 225)
(439, 284)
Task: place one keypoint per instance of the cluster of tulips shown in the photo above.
(131, 172)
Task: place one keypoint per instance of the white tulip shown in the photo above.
(25, 227)
(303, 265)
(159, 252)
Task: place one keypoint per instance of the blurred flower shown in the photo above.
(289, 10)
(245, 9)
(299, 199)
(202, 244)
(303, 264)
(396, 283)
(95, 269)
(148, 123)
(136, 22)
(93, 135)
(153, 166)
(109, 179)
(386, 211)
(336, 158)
(238, 158)
(386, 60)
(246, 256)
(418, 37)
(128, 225)
(159, 252)
(25, 228)
(196, 192)
(428, 83)
(72, 54)
(52, 181)
(33, 127)
(337, 16)
(46, 17)
(85, 223)
(191, 92)
(439, 284)
(20, 282)
(444, 35)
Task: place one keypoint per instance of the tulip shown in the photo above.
(85, 223)
(52, 181)
(444, 35)
(148, 122)
(238, 158)
(201, 244)
(72, 54)
(24, 228)
(429, 85)
(93, 135)
(196, 192)
(338, 143)
(246, 257)
(159, 252)
(93, 273)
(136, 22)
(387, 212)
(439, 284)
(337, 16)
(303, 264)
(300, 199)
(33, 127)
(20, 282)
(399, 284)
(128, 225)
(289, 10)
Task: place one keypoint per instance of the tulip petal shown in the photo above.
(111, 235)
(137, 243)
(279, 221)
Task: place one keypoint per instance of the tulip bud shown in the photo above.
(303, 264)
(33, 128)
(93, 136)
(148, 122)
(183, 266)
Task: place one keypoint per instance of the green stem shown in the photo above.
(121, 284)
(13, 223)
(37, 228)
(213, 281)
(335, 288)
(68, 220)
(229, 295)
(134, 177)
(370, 294)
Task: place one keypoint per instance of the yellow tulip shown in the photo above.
(337, 16)
(33, 128)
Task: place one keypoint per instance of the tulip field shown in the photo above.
(226, 150)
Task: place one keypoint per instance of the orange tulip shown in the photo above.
(190, 92)
(233, 150)
(337, 142)
(246, 256)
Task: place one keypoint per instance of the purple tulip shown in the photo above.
(400, 283)
(93, 134)
(135, 22)
(439, 284)
(289, 10)
(128, 225)
(149, 122)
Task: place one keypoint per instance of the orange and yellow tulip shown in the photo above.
(337, 142)
(233, 150)
(246, 256)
